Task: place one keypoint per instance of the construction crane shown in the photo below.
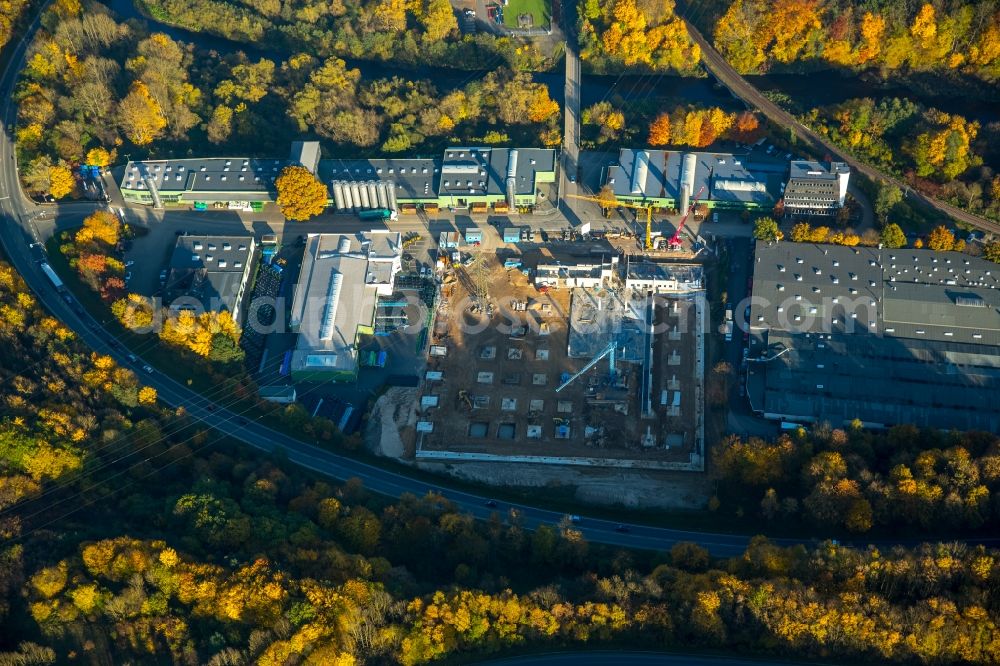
(675, 241)
(648, 207)
(608, 351)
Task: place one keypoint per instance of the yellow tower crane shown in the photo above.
(626, 204)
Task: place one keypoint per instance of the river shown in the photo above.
(807, 90)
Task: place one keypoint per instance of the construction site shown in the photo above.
(565, 363)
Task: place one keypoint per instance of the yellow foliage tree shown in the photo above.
(659, 130)
(300, 194)
(99, 156)
(48, 462)
(542, 107)
(102, 226)
(924, 27)
(147, 395)
(61, 181)
(140, 116)
(941, 239)
(872, 32)
(135, 312)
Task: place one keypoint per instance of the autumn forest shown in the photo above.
(130, 532)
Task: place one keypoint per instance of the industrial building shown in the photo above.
(240, 183)
(816, 188)
(587, 275)
(650, 277)
(209, 273)
(671, 179)
(463, 178)
(884, 336)
(341, 278)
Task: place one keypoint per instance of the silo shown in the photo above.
(356, 195)
(688, 166)
(511, 177)
(640, 169)
(391, 189)
(373, 193)
(338, 195)
(383, 194)
(363, 191)
(348, 199)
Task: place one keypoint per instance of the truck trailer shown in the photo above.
(380, 214)
(53, 278)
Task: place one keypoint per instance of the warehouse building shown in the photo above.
(671, 179)
(209, 273)
(341, 278)
(480, 177)
(463, 178)
(377, 183)
(884, 336)
(816, 188)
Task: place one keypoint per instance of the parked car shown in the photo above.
(163, 275)
(148, 369)
(574, 519)
(128, 275)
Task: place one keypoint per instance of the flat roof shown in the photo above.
(209, 269)
(724, 176)
(882, 381)
(305, 153)
(810, 169)
(204, 175)
(335, 296)
(945, 296)
(924, 347)
(415, 178)
(482, 171)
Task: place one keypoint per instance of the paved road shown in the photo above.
(17, 233)
(729, 77)
(571, 117)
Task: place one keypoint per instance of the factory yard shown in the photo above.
(501, 347)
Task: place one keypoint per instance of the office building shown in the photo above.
(209, 273)
(816, 188)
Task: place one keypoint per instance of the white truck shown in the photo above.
(53, 278)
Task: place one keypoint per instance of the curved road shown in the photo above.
(729, 77)
(17, 233)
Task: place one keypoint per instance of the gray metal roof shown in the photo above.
(904, 293)
(414, 178)
(811, 170)
(724, 177)
(209, 270)
(882, 381)
(922, 350)
(305, 153)
(351, 257)
(204, 175)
